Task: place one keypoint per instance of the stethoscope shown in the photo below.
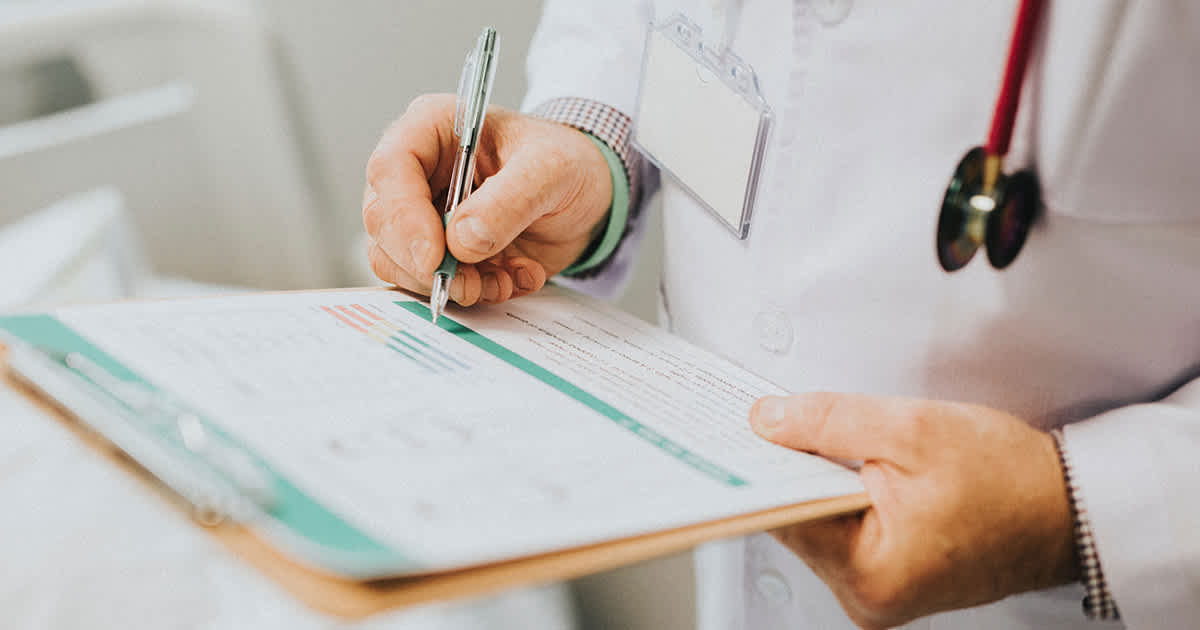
(983, 206)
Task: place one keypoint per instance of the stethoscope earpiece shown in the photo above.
(976, 212)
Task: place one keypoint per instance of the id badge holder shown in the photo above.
(701, 119)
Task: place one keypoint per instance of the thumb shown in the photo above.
(503, 207)
(847, 426)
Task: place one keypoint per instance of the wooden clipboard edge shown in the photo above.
(351, 599)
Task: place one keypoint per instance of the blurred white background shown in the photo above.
(187, 146)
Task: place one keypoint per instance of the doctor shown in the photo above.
(1031, 436)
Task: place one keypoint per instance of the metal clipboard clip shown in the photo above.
(219, 479)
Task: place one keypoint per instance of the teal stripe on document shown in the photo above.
(302, 515)
(570, 389)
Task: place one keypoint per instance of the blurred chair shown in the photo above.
(184, 115)
(81, 249)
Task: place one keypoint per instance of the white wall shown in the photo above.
(354, 65)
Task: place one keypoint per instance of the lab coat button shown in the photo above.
(774, 330)
(831, 12)
(773, 587)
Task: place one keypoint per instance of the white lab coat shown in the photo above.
(1097, 323)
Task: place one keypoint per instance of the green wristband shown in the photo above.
(618, 213)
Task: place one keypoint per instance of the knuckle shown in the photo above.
(819, 403)
(913, 421)
(819, 409)
(565, 175)
(379, 166)
(374, 217)
(424, 110)
(381, 265)
(558, 176)
(557, 160)
(428, 103)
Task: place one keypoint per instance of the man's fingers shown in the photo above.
(832, 548)
(528, 275)
(503, 207)
(387, 270)
(408, 230)
(466, 288)
(398, 210)
(848, 426)
(826, 544)
(425, 132)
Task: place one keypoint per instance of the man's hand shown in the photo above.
(969, 504)
(543, 191)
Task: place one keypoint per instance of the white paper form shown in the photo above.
(541, 424)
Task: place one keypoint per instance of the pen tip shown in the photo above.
(439, 295)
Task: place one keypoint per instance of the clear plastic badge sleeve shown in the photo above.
(701, 119)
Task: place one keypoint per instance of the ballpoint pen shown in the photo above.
(474, 92)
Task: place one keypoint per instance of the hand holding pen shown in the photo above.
(544, 190)
(474, 94)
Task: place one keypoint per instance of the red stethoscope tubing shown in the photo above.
(1029, 14)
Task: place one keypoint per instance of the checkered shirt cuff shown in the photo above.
(605, 122)
(1098, 602)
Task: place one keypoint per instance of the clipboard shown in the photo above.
(358, 598)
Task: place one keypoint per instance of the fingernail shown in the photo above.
(771, 411)
(474, 234)
(419, 248)
(525, 280)
(491, 287)
(458, 291)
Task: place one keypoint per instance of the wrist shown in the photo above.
(610, 130)
(1098, 602)
(1062, 556)
(607, 232)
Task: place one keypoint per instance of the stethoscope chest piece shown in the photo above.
(984, 207)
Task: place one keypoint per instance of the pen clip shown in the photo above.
(464, 86)
(475, 88)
